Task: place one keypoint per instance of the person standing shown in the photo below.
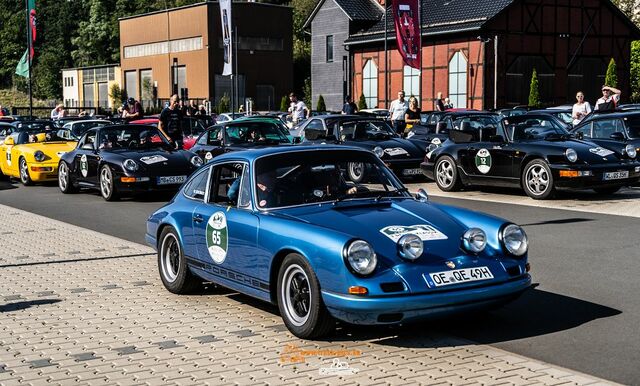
(57, 112)
(397, 110)
(349, 107)
(135, 109)
(581, 108)
(440, 103)
(412, 115)
(298, 109)
(170, 123)
(610, 99)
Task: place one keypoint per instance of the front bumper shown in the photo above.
(596, 180)
(43, 171)
(398, 309)
(428, 169)
(405, 167)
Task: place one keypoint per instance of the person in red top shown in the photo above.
(135, 109)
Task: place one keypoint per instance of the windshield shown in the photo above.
(40, 125)
(633, 126)
(565, 117)
(81, 127)
(40, 136)
(245, 132)
(132, 138)
(531, 128)
(366, 130)
(298, 178)
(471, 122)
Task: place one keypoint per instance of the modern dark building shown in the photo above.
(181, 48)
(479, 53)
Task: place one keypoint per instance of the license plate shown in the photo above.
(463, 275)
(616, 175)
(171, 180)
(411, 172)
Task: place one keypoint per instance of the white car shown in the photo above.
(79, 127)
(228, 117)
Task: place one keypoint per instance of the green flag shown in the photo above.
(22, 68)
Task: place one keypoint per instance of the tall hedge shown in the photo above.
(534, 90)
(321, 106)
(611, 79)
(284, 103)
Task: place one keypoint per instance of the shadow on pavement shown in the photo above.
(576, 195)
(559, 221)
(6, 185)
(17, 306)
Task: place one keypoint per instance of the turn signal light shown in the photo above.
(357, 290)
(41, 169)
(128, 179)
(568, 173)
(527, 267)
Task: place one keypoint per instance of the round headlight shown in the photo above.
(39, 156)
(474, 240)
(631, 151)
(130, 165)
(196, 161)
(361, 257)
(515, 240)
(379, 152)
(571, 155)
(410, 246)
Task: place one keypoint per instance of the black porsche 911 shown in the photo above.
(120, 159)
(434, 134)
(400, 155)
(533, 152)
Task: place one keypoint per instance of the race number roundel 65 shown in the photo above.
(84, 165)
(217, 237)
(483, 161)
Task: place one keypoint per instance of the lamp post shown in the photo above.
(174, 89)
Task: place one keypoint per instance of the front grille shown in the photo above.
(392, 287)
(514, 271)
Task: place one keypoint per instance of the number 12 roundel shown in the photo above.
(217, 237)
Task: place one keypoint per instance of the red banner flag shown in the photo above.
(32, 26)
(407, 22)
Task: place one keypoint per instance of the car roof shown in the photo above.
(253, 154)
(614, 114)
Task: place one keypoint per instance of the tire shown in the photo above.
(172, 265)
(356, 172)
(537, 180)
(24, 172)
(607, 190)
(64, 179)
(107, 184)
(446, 174)
(299, 291)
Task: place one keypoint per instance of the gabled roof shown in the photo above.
(438, 17)
(355, 10)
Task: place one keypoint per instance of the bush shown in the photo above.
(611, 79)
(223, 104)
(306, 91)
(117, 95)
(362, 102)
(321, 106)
(284, 103)
(534, 90)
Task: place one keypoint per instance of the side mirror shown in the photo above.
(87, 146)
(422, 195)
(497, 139)
(9, 141)
(618, 136)
(580, 135)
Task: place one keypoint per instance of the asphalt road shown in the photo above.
(584, 315)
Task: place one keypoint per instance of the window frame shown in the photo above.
(213, 184)
(328, 48)
(410, 74)
(455, 96)
(206, 192)
(367, 78)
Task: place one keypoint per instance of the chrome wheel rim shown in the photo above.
(170, 257)
(444, 173)
(537, 179)
(356, 169)
(62, 176)
(296, 295)
(105, 182)
(24, 171)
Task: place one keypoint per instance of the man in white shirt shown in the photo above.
(397, 110)
(610, 99)
(298, 109)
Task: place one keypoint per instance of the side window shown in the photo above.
(603, 128)
(88, 139)
(585, 130)
(315, 124)
(225, 185)
(245, 189)
(197, 187)
(214, 137)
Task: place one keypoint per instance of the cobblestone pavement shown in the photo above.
(626, 202)
(80, 307)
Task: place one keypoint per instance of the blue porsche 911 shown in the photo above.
(287, 226)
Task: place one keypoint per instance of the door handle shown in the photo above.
(197, 218)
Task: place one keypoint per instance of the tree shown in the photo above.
(321, 106)
(635, 71)
(284, 103)
(611, 78)
(306, 91)
(534, 90)
(362, 102)
(115, 93)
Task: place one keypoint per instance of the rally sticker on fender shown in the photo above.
(601, 152)
(395, 151)
(436, 141)
(483, 161)
(217, 237)
(84, 165)
(425, 232)
(153, 159)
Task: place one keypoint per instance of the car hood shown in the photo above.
(587, 151)
(394, 148)
(154, 159)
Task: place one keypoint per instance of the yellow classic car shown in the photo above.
(33, 156)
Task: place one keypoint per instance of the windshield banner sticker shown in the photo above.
(483, 161)
(153, 159)
(601, 152)
(217, 237)
(395, 151)
(425, 232)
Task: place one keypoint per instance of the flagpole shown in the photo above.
(420, 34)
(386, 60)
(26, 2)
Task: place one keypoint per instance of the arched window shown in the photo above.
(411, 83)
(370, 84)
(458, 80)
